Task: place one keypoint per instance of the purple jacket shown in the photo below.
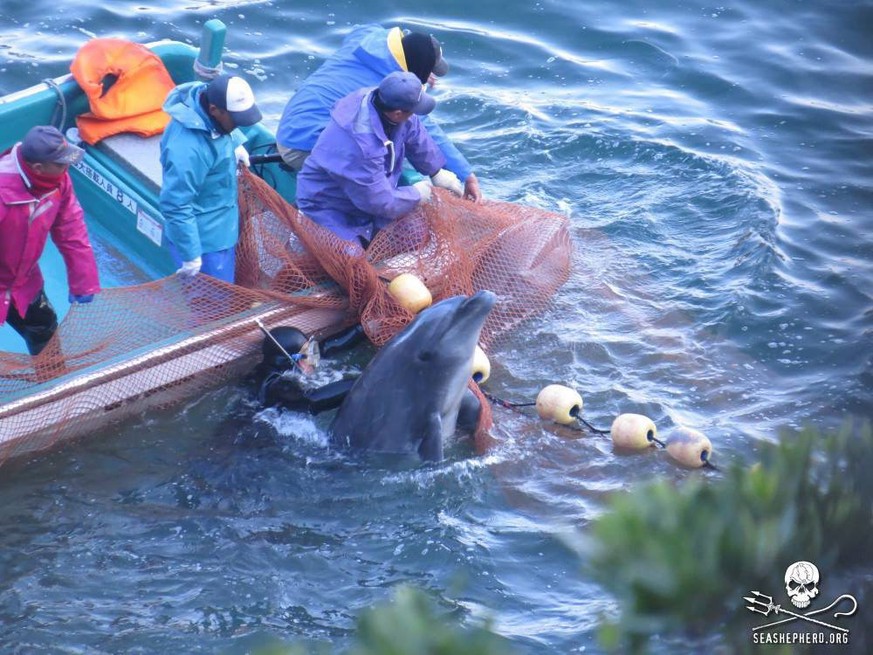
(25, 223)
(349, 182)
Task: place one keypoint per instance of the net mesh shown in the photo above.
(157, 343)
(454, 246)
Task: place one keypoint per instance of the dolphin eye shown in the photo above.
(425, 355)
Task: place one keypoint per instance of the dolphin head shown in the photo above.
(447, 332)
(439, 347)
(408, 397)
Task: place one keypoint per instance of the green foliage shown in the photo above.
(411, 626)
(682, 557)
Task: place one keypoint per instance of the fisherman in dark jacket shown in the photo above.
(287, 354)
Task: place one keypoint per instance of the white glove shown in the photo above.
(190, 269)
(242, 155)
(424, 188)
(447, 180)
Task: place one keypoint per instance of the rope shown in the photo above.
(205, 72)
(588, 425)
(510, 405)
(62, 104)
(504, 403)
(575, 414)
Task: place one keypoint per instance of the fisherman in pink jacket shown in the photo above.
(37, 199)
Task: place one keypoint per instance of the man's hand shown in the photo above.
(424, 188)
(191, 268)
(471, 189)
(447, 180)
(242, 155)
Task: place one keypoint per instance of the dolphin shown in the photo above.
(410, 395)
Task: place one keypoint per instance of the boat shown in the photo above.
(117, 183)
(152, 338)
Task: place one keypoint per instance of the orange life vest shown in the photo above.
(126, 84)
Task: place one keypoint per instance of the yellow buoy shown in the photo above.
(410, 292)
(481, 366)
(633, 431)
(559, 403)
(689, 447)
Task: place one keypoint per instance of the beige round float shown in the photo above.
(633, 431)
(559, 403)
(689, 447)
(410, 292)
(481, 366)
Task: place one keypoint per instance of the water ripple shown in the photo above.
(714, 164)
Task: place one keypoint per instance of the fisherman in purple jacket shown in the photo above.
(349, 182)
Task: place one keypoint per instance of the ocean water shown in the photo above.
(715, 162)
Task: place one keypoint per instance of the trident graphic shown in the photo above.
(765, 607)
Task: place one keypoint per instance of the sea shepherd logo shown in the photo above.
(820, 625)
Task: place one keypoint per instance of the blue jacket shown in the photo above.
(363, 60)
(199, 191)
(349, 182)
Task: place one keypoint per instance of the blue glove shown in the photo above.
(80, 299)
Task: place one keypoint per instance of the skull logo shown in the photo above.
(801, 583)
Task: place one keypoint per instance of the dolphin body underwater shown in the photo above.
(410, 396)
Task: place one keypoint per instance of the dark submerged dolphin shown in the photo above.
(408, 398)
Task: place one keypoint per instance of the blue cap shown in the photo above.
(45, 144)
(401, 90)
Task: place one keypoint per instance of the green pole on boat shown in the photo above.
(212, 44)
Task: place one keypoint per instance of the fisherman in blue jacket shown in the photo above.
(199, 153)
(349, 183)
(367, 55)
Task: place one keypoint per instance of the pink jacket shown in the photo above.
(25, 223)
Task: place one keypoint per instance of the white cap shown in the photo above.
(234, 95)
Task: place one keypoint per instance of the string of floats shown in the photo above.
(563, 405)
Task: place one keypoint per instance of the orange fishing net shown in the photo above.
(157, 343)
(134, 348)
(453, 245)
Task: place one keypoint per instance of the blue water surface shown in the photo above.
(715, 162)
